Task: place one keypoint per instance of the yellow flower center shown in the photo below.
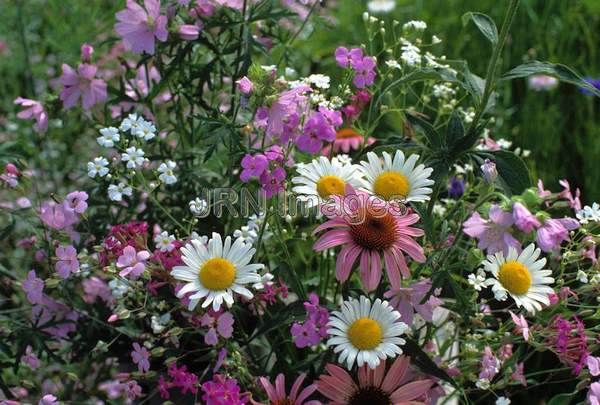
(391, 185)
(217, 274)
(365, 334)
(515, 277)
(330, 185)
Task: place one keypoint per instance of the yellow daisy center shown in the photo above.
(515, 277)
(365, 334)
(391, 185)
(330, 185)
(217, 274)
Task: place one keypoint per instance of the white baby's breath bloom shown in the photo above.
(166, 172)
(503, 143)
(164, 241)
(109, 136)
(589, 214)
(144, 130)
(393, 64)
(247, 233)
(265, 279)
(319, 80)
(117, 191)
(198, 206)
(415, 25)
(131, 123)
(133, 156)
(159, 323)
(477, 280)
(582, 277)
(411, 55)
(118, 287)
(98, 167)
(502, 401)
(435, 39)
(381, 6)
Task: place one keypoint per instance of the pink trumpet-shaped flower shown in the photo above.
(133, 263)
(33, 110)
(138, 26)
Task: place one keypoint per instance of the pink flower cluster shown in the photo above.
(363, 66)
(180, 378)
(134, 234)
(319, 127)
(223, 391)
(569, 342)
(314, 328)
(268, 168)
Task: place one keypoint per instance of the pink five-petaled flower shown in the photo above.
(345, 57)
(369, 228)
(223, 391)
(408, 300)
(277, 393)
(314, 328)
(138, 26)
(521, 323)
(140, 356)
(33, 287)
(67, 261)
(77, 201)
(492, 233)
(273, 182)
(253, 166)
(33, 110)
(132, 262)
(82, 84)
(364, 72)
(219, 323)
(396, 386)
(524, 220)
(554, 232)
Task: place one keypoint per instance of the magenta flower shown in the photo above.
(285, 109)
(223, 391)
(245, 85)
(33, 110)
(364, 72)
(253, 166)
(273, 182)
(138, 26)
(34, 288)
(140, 356)
(218, 323)
(521, 324)
(86, 53)
(314, 328)
(524, 220)
(542, 193)
(183, 380)
(408, 300)
(76, 200)
(67, 261)
(82, 84)
(493, 234)
(574, 201)
(344, 57)
(277, 393)
(554, 232)
(133, 263)
(319, 128)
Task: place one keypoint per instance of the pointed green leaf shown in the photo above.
(485, 24)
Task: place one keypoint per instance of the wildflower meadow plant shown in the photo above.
(237, 227)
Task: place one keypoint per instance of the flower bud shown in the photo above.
(490, 173)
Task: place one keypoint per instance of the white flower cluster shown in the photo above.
(251, 231)
(589, 214)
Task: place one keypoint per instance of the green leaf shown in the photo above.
(485, 24)
(561, 399)
(455, 129)
(561, 72)
(474, 84)
(512, 171)
(434, 139)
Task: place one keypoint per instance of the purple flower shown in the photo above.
(493, 234)
(288, 107)
(246, 86)
(67, 261)
(48, 399)
(364, 72)
(82, 84)
(133, 390)
(592, 82)
(76, 201)
(457, 187)
(86, 53)
(273, 182)
(222, 390)
(57, 216)
(318, 128)
(253, 166)
(311, 331)
(593, 395)
(344, 57)
(133, 263)
(490, 173)
(33, 110)
(138, 26)
(182, 379)
(34, 288)
(554, 232)
(140, 356)
(408, 300)
(490, 365)
(524, 220)
(219, 323)
(30, 358)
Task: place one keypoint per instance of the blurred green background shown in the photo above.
(559, 127)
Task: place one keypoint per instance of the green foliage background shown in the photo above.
(561, 128)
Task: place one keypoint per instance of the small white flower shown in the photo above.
(166, 172)
(98, 167)
(320, 81)
(159, 323)
(478, 280)
(145, 130)
(117, 191)
(589, 214)
(411, 55)
(502, 401)
(109, 137)
(380, 6)
(134, 157)
(483, 384)
(118, 287)
(248, 234)
(198, 206)
(435, 40)
(415, 25)
(503, 143)
(164, 241)
(130, 123)
(265, 279)
(582, 277)
(393, 64)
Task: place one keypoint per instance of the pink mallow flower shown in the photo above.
(33, 110)
(245, 85)
(67, 261)
(133, 263)
(57, 216)
(524, 219)
(33, 287)
(253, 166)
(140, 356)
(82, 84)
(189, 32)
(493, 234)
(314, 328)
(77, 201)
(408, 300)
(138, 26)
(218, 323)
(554, 232)
(277, 393)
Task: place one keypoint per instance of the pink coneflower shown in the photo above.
(374, 387)
(278, 396)
(346, 139)
(368, 228)
(138, 26)
(82, 83)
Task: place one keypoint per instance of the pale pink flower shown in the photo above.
(593, 364)
(33, 110)
(408, 300)
(218, 323)
(555, 231)
(33, 287)
(140, 356)
(521, 324)
(133, 263)
(368, 229)
(67, 261)
(138, 26)
(518, 375)
(524, 219)
(493, 233)
(82, 84)
(277, 394)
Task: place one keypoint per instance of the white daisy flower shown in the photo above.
(522, 276)
(109, 137)
(117, 191)
(397, 178)
(322, 178)
(381, 6)
(216, 272)
(144, 130)
(198, 207)
(166, 172)
(98, 167)
(589, 214)
(164, 241)
(366, 333)
(130, 123)
(133, 156)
